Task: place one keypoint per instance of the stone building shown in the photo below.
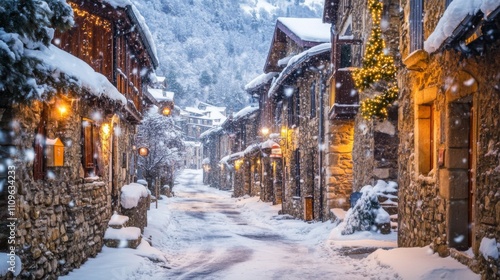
(258, 88)
(302, 58)
(448, 124)
(71, 152)
(368, 147)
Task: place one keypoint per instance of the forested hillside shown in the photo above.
(209, 49)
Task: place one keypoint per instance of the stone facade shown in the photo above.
(448, 180)
(61, 219)
(339, 164)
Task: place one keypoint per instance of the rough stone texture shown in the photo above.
(60, 220)
(339, 164)
(424, 214)
(303, 136)
(138, 216)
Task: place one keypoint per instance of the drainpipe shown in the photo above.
(321, 132)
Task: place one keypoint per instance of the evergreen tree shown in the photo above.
(28, 25)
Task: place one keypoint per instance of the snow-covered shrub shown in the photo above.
(367, 213)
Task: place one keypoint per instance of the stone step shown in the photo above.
(118, 221)
(127, 237)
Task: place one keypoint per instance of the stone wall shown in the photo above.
(434, 206)
(138, 216)
(339, 164)
(61, 219)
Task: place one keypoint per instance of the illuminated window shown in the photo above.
(89, 151)
(425, 138)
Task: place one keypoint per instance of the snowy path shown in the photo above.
(206, 234)
(210, 235)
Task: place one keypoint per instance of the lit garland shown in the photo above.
(378, 68)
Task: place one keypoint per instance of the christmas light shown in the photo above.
(378, 70)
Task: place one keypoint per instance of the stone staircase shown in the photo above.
(118, 235)
(389, 202)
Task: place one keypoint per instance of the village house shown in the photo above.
(302, 58)
(361, 150)
(72, 153)
(448, 120)
(200, 118)
(258, 89)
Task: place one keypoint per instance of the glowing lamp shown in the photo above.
(166, 111)
(264, 131)
(143, 151)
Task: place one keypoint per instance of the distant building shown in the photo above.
(199, 118)
(193, 155)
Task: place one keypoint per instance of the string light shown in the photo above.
(378, 68)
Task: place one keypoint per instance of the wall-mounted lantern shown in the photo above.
(54, 150)
(166, 108)
(264, 131)
(143, 151)
(237, 164)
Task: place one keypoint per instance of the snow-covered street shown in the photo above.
(204, 233)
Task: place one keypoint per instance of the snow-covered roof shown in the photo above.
(308, 29)
(60, 62)
(260, 80)
(192, 143)
(161, 95)
(296, 61)
(245, 112)
(141, 21)
(210, 131)
(456, 12)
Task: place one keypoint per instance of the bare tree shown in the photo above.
(164, 141)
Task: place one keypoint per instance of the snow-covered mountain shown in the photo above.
(209, 49)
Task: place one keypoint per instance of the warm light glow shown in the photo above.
(166, 111)
(237, 164)
(143, 151)
(264, 131)
(106, 130)
(378, 68)
(62, 108)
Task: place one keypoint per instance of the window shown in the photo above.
(416, 26)
(425, 138)
(89, 151)
(313, 100)
(345, 55)
(297, 172)
(39, 148)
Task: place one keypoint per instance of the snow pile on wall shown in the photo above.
(489, 248)
(10, 263)
(118, 220)
(131, 194)
(129, 233)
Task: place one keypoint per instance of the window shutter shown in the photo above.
(39, 147)
(416, 25)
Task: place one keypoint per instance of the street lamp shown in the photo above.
(143, 151)
(264, 131)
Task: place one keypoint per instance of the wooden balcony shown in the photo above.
(344, 98)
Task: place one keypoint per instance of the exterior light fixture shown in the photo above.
(143, 151)
(106, 130)
(166, 111)
(264, 131)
